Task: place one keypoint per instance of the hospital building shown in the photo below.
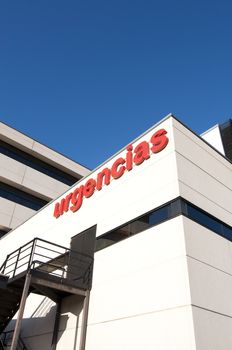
(135, 254)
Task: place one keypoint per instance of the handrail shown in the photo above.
(61, 262)
(22, 246)
(15, 251)
(60, 246)
(1, 345)
(42, 240)
(3, 265)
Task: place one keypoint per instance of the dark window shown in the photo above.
(3, 232)
(179, 206)
(37, 164)
(204, 219)
(112, 237)
(138, 225)
(159, 215)
(21, 197)
(227, 232)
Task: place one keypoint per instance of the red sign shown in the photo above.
(133, 157)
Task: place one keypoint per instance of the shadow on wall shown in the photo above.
(68, 335)
(37, 331)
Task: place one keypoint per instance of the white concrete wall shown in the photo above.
(13, 214)
(147, 290)
(140, 298)
(210, 275)
(145, 187)
(205, 179)
(23, 177)
(213, 136)
(132, 287)
(27, 144)
(28, 180)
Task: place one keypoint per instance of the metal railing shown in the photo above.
(1, 345)
(6, 339)
(49, 258)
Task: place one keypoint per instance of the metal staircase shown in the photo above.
(6, 341)
(44, 268)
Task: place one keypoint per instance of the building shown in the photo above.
(31, 175)
(220, 136)
(156, 220)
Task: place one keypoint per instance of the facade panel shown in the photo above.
(33, 168)
(153, 289)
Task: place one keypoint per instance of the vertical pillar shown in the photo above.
(56, 326)
(84, 321)
(20, 312)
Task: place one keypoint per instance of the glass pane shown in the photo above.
(139, 225)
(20, 197)
(37, 164)
(158, 216)
(204, 219)
(227, 232)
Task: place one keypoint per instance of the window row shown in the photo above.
(37, 164)
(177, 207)
(18, 196)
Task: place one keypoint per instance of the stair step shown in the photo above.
(9, 304)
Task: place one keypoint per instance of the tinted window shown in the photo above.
(168, 211)
(21, 197)
(138, 225)
(158, 216)
(204, 219)
(37, 164)
(227, 232)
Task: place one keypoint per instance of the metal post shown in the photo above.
(32, 253)
(20, 312)
(56, 326)
(84, 321)
(16, 263)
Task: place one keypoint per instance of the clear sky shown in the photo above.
(86, 77)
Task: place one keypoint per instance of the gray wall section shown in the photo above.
(205, 179)
(29, 180)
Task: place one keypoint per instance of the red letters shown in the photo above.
(142, 152)
(129, 157)
(57, 210)
(67, 201)
(117, 172)
(89, 188)
(77, 198)
(159, 141)
(106, 174)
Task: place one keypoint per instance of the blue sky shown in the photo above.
(86, 77)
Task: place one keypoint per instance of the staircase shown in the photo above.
(6, 341)
(9, 302)
(54, 271)
(1, 345)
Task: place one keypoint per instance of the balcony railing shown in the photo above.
(51, 259)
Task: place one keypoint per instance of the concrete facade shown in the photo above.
(213, 136)
(16, 151)
(167, 287)
(220, 137)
